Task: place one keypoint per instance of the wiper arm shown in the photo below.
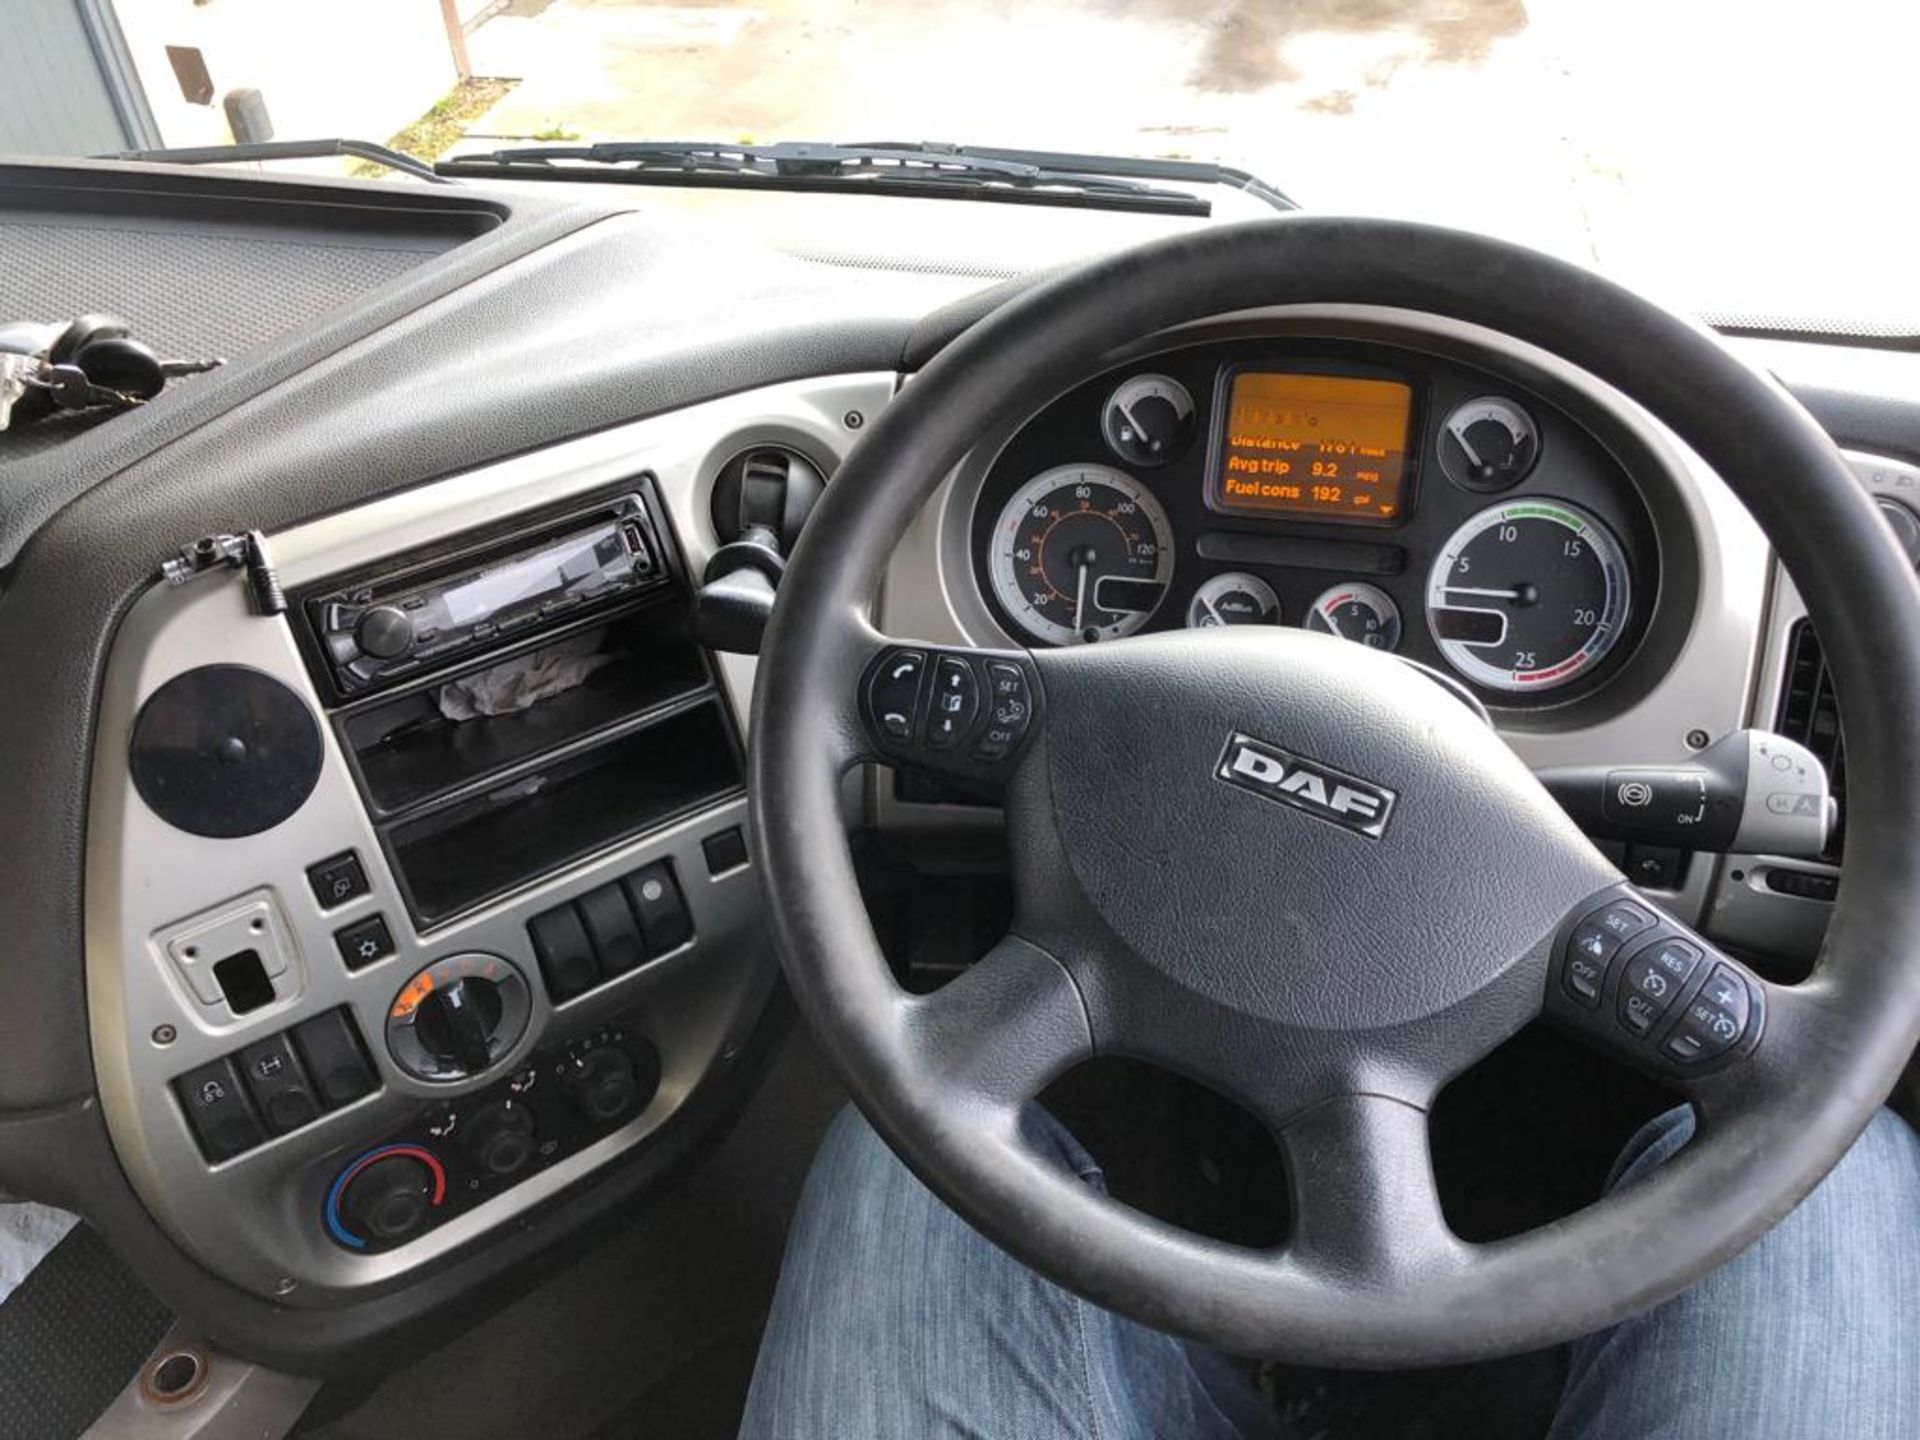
(285, 150)
(1193, 172)
(948, 171)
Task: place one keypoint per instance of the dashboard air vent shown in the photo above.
(1810, 714)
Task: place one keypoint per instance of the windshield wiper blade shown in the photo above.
(1030, 177)
(285, 150)
(1192, 172)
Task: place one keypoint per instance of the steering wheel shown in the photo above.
(1388, 893)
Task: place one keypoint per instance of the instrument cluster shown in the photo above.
(1392, 497)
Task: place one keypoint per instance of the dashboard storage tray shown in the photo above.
(408, 751)
(453, 858)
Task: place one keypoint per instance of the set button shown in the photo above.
(1714, 1021)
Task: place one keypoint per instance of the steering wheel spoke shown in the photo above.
(1361, 1184)
(998, 1033)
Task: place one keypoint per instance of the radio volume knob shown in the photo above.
(385, 631)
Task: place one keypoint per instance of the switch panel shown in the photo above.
(275, 1085)
(610, 930)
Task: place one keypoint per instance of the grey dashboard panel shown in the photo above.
(253, 1220)
(578, 322)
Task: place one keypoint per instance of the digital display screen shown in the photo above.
(1326, 447)
(554, 569)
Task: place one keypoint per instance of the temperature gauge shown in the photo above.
(1359, 612)
(1148, 420)
(1488, 444)
(1233, 599)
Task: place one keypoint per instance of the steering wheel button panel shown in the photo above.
(1660, 997)
(969, 719)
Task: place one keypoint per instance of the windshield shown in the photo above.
(1741, 158)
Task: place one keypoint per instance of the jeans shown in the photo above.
(895, 1320)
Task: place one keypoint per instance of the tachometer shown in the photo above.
(1527, 596)
(1081, 552)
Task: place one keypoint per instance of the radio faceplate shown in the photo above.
(377, 630)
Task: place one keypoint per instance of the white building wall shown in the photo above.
(357, 68)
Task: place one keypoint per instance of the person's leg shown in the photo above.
(1811, 1333)
(893, 1318)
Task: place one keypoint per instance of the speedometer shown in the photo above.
(1081, 552)
(1529, 595)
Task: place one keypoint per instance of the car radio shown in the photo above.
(380, 630)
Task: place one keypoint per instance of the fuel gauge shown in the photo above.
(1148, 420)
(1359, 612)
(1488, 444)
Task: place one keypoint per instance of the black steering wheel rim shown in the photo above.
(1848, 1031)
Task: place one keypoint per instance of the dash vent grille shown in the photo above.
(1810, 713)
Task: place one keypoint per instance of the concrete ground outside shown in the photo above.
(1724, 153)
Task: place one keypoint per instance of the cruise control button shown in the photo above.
(1647, 989)
(1715, 1020)
(956, 701)
(1623, 920)
(1009, 709)
(1590, 952)
(895, 693)
(1676, 957)
(1637, 1012)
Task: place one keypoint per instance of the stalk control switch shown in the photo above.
(1752, 792)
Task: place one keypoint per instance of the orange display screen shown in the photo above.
(1332, 447)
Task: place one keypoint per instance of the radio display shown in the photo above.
(1323, 447)
(557, 568)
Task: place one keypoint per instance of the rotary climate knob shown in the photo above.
(385, 1197)
(500, 1138)
(458, 1017)
(602, 1085)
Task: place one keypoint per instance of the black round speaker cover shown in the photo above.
(225, 751)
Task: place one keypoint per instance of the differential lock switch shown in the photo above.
(1752, 792)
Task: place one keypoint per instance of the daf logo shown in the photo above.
(1305, 784)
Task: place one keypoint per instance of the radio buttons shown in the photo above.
(385, 632)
